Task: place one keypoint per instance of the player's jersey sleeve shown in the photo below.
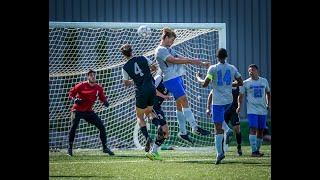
(237, 73)
(101, 95)
(163, 53)
(210, 72)
(125, 75)
(242, 88)
(148, 60)
(73, 91)
(267, 85)
(157, 79)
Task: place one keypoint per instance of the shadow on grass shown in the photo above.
(224, 162)
(81, 176)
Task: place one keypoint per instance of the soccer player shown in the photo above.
(222, 75)
(257, 92)
(230, 116)
(161, 124)
(84, 95)
(171, 64)
(137, 71)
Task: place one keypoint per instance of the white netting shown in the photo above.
(72, 51)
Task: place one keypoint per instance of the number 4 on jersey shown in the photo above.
(137, 69)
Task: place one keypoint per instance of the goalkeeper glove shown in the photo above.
(77, 101)
(106, 104)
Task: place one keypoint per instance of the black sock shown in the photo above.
(239, 139)
(144, 132)
(160, 141)
(222, 145)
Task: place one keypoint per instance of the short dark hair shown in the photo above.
(126, 50)
(90, 71)
(253, 66)
(222, 53)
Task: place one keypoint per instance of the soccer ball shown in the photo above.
(144, 31)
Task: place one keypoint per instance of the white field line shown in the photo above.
(133, 161)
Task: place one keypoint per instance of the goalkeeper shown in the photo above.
(84, 95)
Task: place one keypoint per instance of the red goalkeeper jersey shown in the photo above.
(88, 94)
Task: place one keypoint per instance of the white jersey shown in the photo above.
(170, 71)
(255, 90)
(222, 76)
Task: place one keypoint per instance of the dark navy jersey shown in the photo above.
(160, 87)
(235, 94)
(138, 70)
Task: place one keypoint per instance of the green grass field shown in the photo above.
(177, 164)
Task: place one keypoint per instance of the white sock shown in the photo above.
(190, 117)
(225, 127)
(155, 148)
(182, 122)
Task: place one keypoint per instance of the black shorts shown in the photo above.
(232, 115)
(145, 98)
(161, 117)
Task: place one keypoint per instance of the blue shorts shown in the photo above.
(257, 121)
(175, 87)
(218, 112)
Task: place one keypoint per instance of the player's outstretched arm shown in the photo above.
(240, 99)
(209, 102)
(204, 82)
(184, 60)
(166, 97)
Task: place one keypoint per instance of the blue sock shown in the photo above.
(259, 142)
(253, 142)
(190, 117)
(182, 122)
(218, 143)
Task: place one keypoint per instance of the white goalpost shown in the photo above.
(76, 47)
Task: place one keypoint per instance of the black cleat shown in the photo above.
(107, 150)
(148, 145)
(185, 137)
(201, 131)
(70, 152)
(239, 151)
(219, 158)
(256, 154)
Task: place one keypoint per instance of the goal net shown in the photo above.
(74, 48)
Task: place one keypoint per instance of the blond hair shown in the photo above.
(168, 32)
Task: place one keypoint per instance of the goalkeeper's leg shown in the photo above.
(75, 119)
(94, 119)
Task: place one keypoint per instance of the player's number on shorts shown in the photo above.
(137, 69)
(226, 78)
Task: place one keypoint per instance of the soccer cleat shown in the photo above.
(107, 150)
(256, 154)
(201, 131)
(185, 137)
(239, 151)
(229, 135)
(154, 156)
(219, 158)
(148, 145)
(70, 152)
